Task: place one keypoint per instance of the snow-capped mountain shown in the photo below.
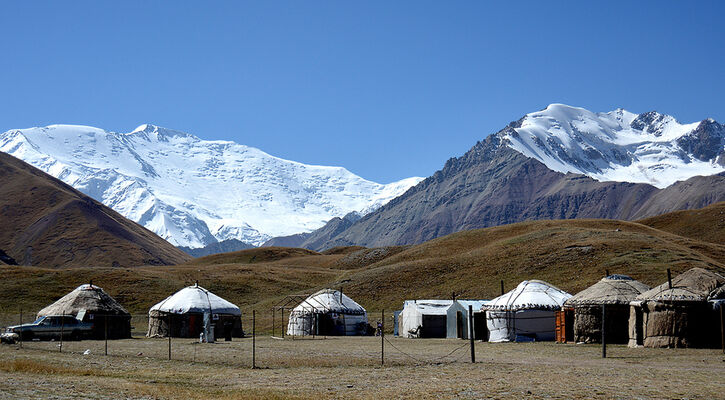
(619, 145)
(195, 192)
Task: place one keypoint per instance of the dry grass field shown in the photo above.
(350, 368)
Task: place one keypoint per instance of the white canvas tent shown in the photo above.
(525, 313)
(193, 310)
(457, 319)
(424, 318)
(330, 313)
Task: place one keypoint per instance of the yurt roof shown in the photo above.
(532, 294)
(328, 300)
(696, 284)
(196, 299)
(430, 307)
(613, 289)
(85, 297)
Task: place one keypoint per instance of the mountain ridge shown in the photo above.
(493, 184)
(196, 192)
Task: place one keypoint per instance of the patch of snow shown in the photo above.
(195, 192)
(613, 146)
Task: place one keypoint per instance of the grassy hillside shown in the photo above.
(707, 224)
(45, 222)
(571, 254)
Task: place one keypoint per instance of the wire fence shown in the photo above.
(251, 349)
(257, 344)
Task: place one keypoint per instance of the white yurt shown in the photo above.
(193, 310)
(458, 317)
(328, 313)
(424, 318)
(526, 313)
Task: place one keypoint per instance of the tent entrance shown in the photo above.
(480, 329)
(459, 324)
(324, 325)
(434, 326)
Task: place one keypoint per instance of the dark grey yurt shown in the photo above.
(89, 303)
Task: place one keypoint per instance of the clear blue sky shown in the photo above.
(385, 89)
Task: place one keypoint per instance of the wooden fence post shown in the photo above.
(254, 338)
(604, 336)
(471, 333)
(382, 337)
(62, 324)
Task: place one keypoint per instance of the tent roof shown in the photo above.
(85, 297)
(476, 304)
(196, 299)
(532, 294)
(613, 289)
(695, 284)
(430, 307)
(329, 300)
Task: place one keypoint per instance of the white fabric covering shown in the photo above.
(348, 317)
(525, 313)
(462, 306)
(411, 319)
(196, 299)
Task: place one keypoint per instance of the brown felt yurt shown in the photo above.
(193, 310)
(679, 314)
(614, 292)
(91, 304)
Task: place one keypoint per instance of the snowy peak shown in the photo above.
(619, 145)
(195, 192)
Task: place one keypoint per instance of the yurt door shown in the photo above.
(459, 324)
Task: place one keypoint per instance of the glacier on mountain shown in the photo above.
(619, 145)
(195, 192)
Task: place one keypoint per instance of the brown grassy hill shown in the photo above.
(251, 256)
(571, 254)
(48, 223)
(707, 224)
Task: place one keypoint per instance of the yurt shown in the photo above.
(525, 313)
(680, 313)
(424, 318)
(89, 303)
(328, 313)
(615, 292)
(457, 318)
(194, 310)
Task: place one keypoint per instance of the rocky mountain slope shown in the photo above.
(195, 192)
(517, 175)
(49, 224)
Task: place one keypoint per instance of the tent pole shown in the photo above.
(254, 337)
(282, 322)
(722, 327)
(471, 333)
(21, 329)
(62, 323)
(382, 337)
(604, 337)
